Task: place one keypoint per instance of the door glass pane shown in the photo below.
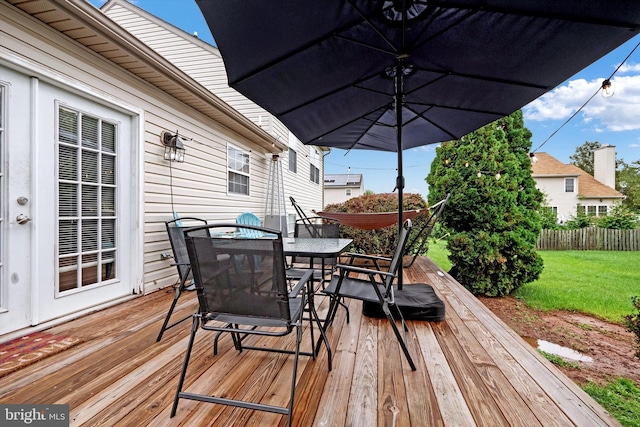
(67, 268)
(89, 132)
(68, 168)
(89, 166)
(108, 169)
(89, 269)
(89, 200)
(68, 199)
(86, 200)
(68, 126)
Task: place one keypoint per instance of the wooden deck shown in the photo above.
(472, 370)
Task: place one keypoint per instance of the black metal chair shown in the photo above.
(175, 231)
(314, 227)
(415, 245)
(379, 287)
(238, 296)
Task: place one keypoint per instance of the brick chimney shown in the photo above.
(604, 165)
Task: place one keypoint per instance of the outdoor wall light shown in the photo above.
(607, 91)
(173, 147)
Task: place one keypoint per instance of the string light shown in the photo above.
(607, 91)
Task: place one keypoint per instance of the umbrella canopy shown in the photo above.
(396, 74)
(326, 68)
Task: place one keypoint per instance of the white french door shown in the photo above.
(15, 201)
(68, 196)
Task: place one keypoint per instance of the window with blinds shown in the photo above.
(86, 200)
(238, 171)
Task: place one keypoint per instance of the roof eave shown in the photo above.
(187, 90)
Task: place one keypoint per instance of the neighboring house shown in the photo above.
(341, 187)
(568, 189)
(302, 165)
(84, 186)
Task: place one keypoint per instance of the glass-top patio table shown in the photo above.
(315, 247)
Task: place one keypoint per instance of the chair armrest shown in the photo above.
(366, 256)
(356, 269)
(301, 283)
(175, 264)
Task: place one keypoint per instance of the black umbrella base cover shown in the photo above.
(416, 302)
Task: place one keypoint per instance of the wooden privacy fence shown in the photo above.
(592, 238)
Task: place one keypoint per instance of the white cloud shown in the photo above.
(629, 68)
(621, 112)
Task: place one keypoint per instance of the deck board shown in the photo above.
(472, 370)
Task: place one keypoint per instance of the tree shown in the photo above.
(493, 211)
(583, 156)
(628, 183)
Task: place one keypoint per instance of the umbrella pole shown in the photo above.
(400, 178)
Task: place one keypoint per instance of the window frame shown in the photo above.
(232, 150)
(572, 185)
(106, 250)
(314, 166)
(293, 160)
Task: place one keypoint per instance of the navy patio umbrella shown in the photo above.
(397, 74)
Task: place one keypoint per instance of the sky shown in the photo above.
(614, 120)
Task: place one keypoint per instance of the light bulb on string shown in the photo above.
(607, 91)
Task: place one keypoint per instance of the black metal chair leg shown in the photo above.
(179, 291)
(403, 344)
(185, 364)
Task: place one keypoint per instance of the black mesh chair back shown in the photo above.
(175, 231)
(316, 227)
(243, 291)
(242, 276)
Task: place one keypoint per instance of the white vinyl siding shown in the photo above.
(204, 64)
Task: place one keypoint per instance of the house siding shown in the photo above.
(199, 184)
(550, 175)
(204, 64)
(553, 188)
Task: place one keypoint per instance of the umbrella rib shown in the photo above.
(373, 122)
(446, 107)
(355, 84)
(453, 136)
(376, 29)
(367, 45)
(452, 4)
(294, 52)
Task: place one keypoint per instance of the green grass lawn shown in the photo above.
(600, 283)
(439, 254)
(595, 282)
